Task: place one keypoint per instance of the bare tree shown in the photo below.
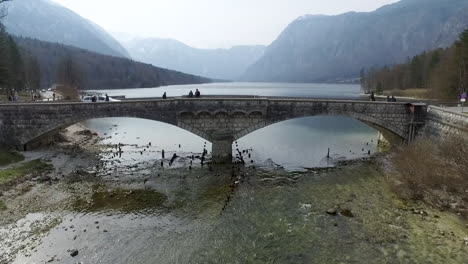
(70, 78)
(3, 10)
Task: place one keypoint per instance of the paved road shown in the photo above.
(459, 109)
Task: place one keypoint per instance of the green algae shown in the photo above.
(8, 157)
(125, 201)
(32, 167)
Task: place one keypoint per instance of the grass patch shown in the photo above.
(435, 173)
(8, 157)
(35, 166)
(3, 207)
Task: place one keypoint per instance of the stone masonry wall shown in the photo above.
(441, 123)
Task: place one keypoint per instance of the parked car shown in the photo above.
(100, 99)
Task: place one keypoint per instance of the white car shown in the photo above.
(100, 99)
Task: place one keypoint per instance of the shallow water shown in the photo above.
(294, 144)
(269, 216)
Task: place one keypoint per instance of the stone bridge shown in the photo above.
(218, 120)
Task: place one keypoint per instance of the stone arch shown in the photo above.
(376, 123)
(239, 114)
(203, 113)
(221, 112)
(255, 113)
(186, 114)
(58, 125)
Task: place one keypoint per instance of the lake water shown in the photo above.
(330, 91)
(294, 144)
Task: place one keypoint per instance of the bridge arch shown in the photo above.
(393, 134)
(57, 125)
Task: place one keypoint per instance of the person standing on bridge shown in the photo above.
(197, 93)
(393, 99)
(164, 96)
(53, 95)
(372, 96)
(107, 98)
(190, 95)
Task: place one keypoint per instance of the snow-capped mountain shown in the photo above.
(48, 21)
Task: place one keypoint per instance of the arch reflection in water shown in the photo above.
(294, 144)
(304, 142)
(136, 135)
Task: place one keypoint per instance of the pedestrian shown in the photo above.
(393, 99)
(197, 93)
(190, 95)
(372, 96)
(107, 98)
(164, 96)
(388, 98)
(53, 96)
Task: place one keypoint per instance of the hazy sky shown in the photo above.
(209, 23)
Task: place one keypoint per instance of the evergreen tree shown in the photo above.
(15, 66)
(462, 61)
(32, 73)
(3, 58)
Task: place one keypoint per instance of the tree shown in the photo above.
(70, 78)
(363, 80)
(3, 11)
(462, 62)
(32, 73)
(15, 66)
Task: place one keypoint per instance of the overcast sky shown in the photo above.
(209, 23)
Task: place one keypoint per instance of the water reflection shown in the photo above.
(294, 144)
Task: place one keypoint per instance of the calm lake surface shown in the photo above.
(294, 144)
(272, 211)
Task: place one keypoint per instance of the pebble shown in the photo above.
(332, 211)
(347, 213)
(74, 253)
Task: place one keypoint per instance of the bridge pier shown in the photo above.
(222, 150)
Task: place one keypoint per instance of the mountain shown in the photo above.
(226, 64)
(48, 21)
(100, 71)
(332, 48)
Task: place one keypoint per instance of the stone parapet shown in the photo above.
(442, 123)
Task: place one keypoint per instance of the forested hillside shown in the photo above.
(101, 71)
(441, 73)
(31, 64)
